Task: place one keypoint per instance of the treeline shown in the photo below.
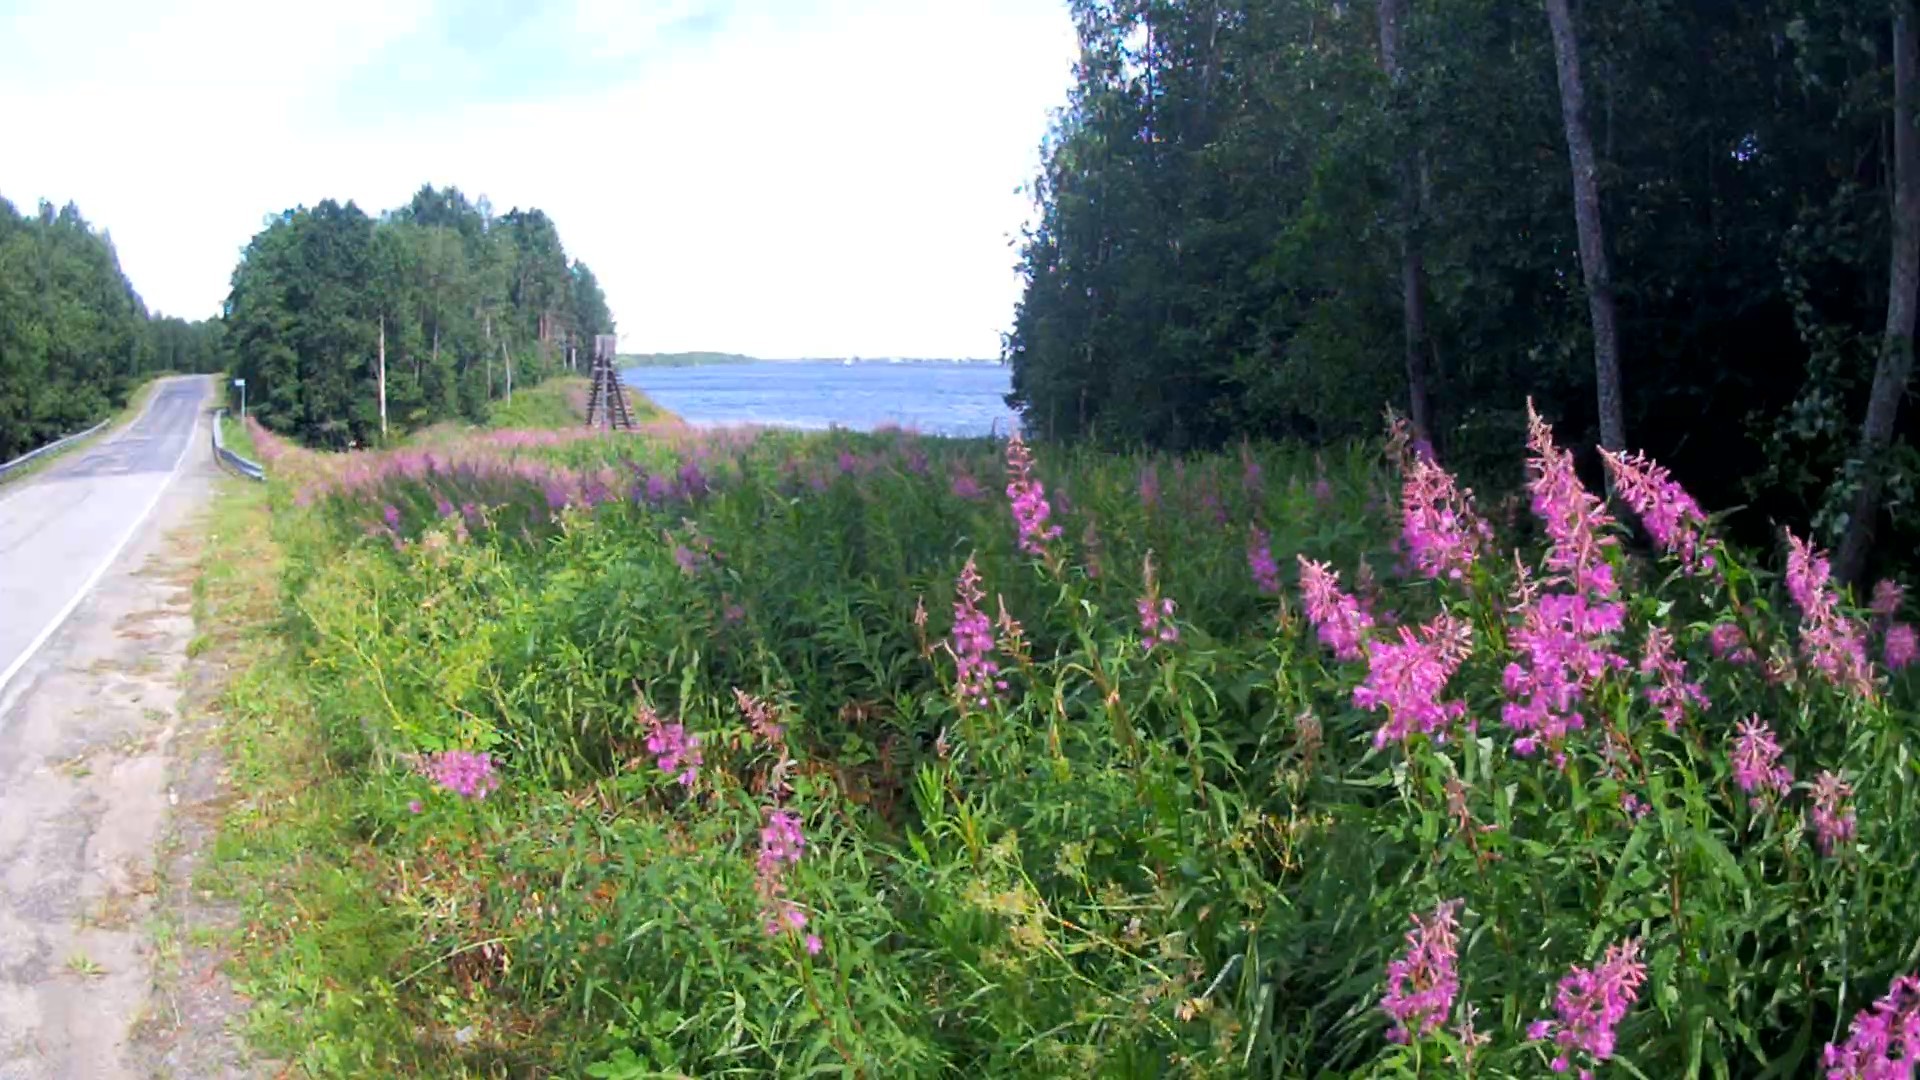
(75, 337)
(1271, 217)
(346, 326)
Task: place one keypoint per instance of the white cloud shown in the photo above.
(834, 178)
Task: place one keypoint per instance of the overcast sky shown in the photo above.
(774, 177)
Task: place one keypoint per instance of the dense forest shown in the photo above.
(74, 336)
(1672, 225)
(347, 326)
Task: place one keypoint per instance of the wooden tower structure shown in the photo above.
(607, 404)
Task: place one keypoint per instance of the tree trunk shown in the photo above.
(489, 350)
(507, 361)
(1890, 375)
(1586, 217)
(383, 377)
(1413, 273)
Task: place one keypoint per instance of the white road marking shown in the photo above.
(100, 571)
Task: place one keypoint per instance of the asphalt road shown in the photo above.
(62, 529)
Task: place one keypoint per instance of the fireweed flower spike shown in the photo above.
(1156, 613)
(1671, 516)
(977, 674)
(1901, 645)
(1149, 487)
(1833, 821)
(1405, 680)
(760, 718)
(1336, 616)
(1729, 643)
(1266, 575)
(1756, 762)
(1562, 638)
(1671, 693)
(1422, 982)
(1833, 643)
(1575, 520)
(781, 843)
(1883, 1042)
(1887, 596)
(467, 774)
(1590, 1004)
(1028, 498)
(674, 750)
(1440, 530)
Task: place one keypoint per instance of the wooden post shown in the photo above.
(383, 376)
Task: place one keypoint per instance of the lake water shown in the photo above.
(934, 398)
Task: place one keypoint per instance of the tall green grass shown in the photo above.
(1198, 858)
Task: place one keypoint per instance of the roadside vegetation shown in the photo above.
(76, 341)
(761, 753)
(354, 330)
(561, 402)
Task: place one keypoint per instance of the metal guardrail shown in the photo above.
(52, 446)
(250, 470)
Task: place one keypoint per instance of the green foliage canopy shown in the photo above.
(457, 293)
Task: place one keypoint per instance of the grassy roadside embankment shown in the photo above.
(765, 753)
(237, 436)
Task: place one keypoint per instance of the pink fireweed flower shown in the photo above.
(1149, 487)
(1210, 502)
(1670, 693)
(1156, 613)
(1756, 762)
(780, 842)
(1900, 646)
(1574, 519)
(1833, 643)
(1028, 499)
(1252, 479)
(1406, 678)
(760, 718)
(1887, 597)
(1440, 530)
(965, 486)
(1590, 1004)
(1729, 643)
(1156, 623)
(466, 773)
(1422, 982)
(1833, 821)
(1808, 575)
(1883, 1042)
(977, 676)
(1671, 516)
(674, 749)
(1564, 654)
(1336, 616)
(1266, 575)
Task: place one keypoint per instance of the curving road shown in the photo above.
(62, 529)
